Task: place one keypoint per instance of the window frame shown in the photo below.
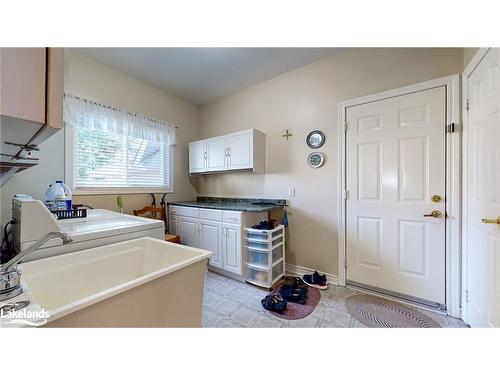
(69, 169)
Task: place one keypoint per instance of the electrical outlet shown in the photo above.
(291, 191)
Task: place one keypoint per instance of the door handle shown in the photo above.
(491, 221)
(435, 214)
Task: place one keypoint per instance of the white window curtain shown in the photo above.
(112, 148)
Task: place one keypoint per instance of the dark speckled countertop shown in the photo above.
(234, 204)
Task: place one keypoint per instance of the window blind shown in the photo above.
(113, 149)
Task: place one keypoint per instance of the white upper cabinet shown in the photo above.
(198, 156)
(31, 103)
(244, 151)
(23, 83)
(216, 154)
(240, 150)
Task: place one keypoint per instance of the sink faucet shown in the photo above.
(10, 276)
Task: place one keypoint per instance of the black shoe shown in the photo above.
(274, 302)
(264, 225)
(316, 280)
(295, 282)
(291, 294)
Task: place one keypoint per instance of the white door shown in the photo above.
(172, 226)
(216, 154)
(197, 156)
(483, 193)
(211, 240)
(240, 150)
(395, 165)
(188, 228)
(232, 248)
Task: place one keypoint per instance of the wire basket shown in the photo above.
(70, 214)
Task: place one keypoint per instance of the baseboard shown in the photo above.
(294, 270)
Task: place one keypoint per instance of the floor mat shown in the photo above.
(296, 311)
(379, 312)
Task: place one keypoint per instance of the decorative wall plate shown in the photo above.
(316, 159)
(315, 139)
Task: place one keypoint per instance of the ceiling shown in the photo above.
(201, 75)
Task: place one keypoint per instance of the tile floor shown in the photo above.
(229, 303)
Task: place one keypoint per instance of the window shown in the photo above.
(110, 150)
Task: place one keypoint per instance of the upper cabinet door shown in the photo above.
(23, 83)
(240, 150)
(216, 154)
(197, 156)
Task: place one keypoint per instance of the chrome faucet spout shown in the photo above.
(23, 254)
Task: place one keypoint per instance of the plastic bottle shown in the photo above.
(59, 196)
(69, 196)
(49, 198)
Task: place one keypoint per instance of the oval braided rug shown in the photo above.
(378, 312)
(296, 311)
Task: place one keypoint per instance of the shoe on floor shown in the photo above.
(293, 281)
(291, 294)
(316, 280)
(274, 302)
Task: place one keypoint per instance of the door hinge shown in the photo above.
(345, 262)
(467, 104)
(346, 194)
(451, 128)
(467, 296)
(345, 126)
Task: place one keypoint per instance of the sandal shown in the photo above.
(274, 302)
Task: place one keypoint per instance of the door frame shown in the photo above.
(453, 181)
(469, 69)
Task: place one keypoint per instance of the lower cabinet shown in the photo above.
(232, 248)
(218, 231)
(188, 228)
(211, 239)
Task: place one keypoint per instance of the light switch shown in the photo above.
(291, 191)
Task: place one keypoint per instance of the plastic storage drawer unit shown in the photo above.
(265, 251)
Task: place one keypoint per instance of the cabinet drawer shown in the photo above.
(215, 215)
(266, 235)
(263, 245)
(265, 258)
(233, 217)
(183, 211)
(264, 276)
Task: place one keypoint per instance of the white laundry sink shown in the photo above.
(143, 282)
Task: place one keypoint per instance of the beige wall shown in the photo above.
(88, 78)
(469, 54)
(300, 101)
